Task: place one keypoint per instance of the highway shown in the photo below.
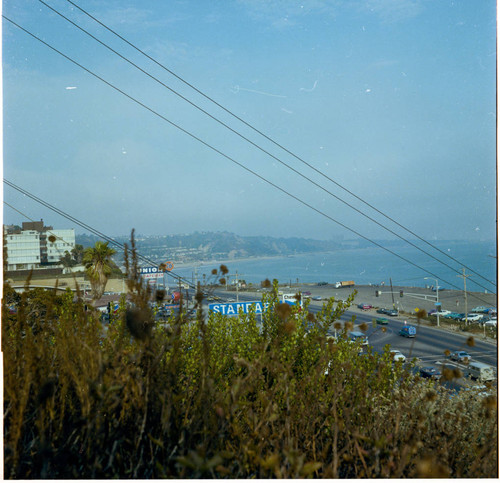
(428, 347)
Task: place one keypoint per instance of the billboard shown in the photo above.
(148, 273)
(236, 307)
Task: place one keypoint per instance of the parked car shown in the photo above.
(392, 312)
(316, 297)
(306, 293)
(322, 283)
(397, 355)
(365, 306)
(442, 313)
(472, 317)
(455, 316)
(491, 323)
(382, 321)
(460, 356)
(430, 372)
(481, 309)
(382, 311)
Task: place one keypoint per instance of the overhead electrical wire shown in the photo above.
(225, 155)
(267, 138)
(57, 237)
(113, 241)
(89, 228)
(252, 143)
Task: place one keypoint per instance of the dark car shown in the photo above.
(382, 311)
(392, 312)
(322, 283)
(430, 372)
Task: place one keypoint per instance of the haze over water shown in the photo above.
(368, 266)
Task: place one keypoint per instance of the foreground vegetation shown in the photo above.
(207, 397)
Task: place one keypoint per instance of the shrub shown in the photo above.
(212, 396)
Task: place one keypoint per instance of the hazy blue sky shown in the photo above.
(393, 99)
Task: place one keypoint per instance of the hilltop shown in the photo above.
(201, 246)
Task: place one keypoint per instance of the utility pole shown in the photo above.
(438, 306)
(392, 293)
(237, 282)
(464, 276)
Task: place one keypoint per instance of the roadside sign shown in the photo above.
(235, 308)
(150, 272)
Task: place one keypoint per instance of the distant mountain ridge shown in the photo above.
(216, 245)
(207, 246)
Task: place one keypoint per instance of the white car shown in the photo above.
(491, 323)
(473, 317)
(397, 356)
(443, 312)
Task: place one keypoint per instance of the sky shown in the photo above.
(393, 100)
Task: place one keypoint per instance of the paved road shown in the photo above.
(428, 346)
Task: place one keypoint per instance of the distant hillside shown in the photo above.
(208, 246)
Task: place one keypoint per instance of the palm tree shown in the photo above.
(98, 264)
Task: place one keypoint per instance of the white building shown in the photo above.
(23, 250)
(64, 242)
(36, 246)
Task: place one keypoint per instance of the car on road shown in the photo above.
(381, 311)
(460, 356)
(481, 372)
(392, 312)
(397, 355)
(355, 336)
(382, 321)
(408, 331)
(430, 372)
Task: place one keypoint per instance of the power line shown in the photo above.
(225, 155)
(57, 237)
(121, 246)
(269, 139)
(89, 228)
(251, 142)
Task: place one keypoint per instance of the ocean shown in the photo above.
(367, 266)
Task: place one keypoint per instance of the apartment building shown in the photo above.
(35, 245)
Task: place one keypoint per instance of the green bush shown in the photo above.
(214, 396)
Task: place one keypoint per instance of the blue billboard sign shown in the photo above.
(237, 307)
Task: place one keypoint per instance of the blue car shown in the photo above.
(408, 331)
